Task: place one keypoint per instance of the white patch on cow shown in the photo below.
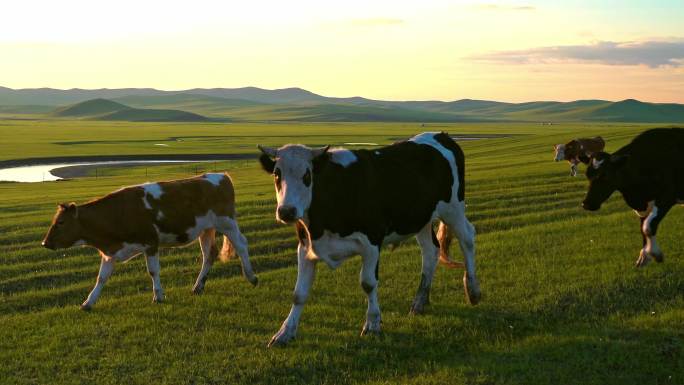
(395, 239)
(595, 163)
(202, 222)
(160, 215)
(646, 229)
(128, 251)
(146, 202)
(644, 213)
(377, 152)
(429, 139)
(342, 156)
(560, 152)
(153, 189)
(80, 242)
(333, 249)
(214, 179)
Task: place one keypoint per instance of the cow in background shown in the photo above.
(649, 173)
(578, 150)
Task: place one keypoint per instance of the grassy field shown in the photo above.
(562, 302)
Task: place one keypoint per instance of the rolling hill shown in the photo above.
(296, 104)
(103, 109)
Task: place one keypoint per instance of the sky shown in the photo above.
(386, 49)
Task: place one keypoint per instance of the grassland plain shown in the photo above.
(562, 302)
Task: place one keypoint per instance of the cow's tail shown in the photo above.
(227, 250)
(444, 238)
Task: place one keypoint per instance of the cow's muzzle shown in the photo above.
(287, 214)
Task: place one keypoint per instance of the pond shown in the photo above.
(44, 172)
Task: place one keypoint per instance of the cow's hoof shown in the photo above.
(158, 297)
(197, 289)
(644, 259)
(659, 257)
(282, 338)
(254, 280)
(418, 306)
(85, 306)
(372, 327)
(472, 290)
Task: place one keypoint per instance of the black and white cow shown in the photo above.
(347, 203)
(649, 172)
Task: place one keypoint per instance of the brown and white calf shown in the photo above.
(141, 219)
(578, 150)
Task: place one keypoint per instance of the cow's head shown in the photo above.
(292, 169)
(65, 230)
(559, 152)
(603, 178)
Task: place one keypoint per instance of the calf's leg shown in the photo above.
(429, 248)
(106, 269)
(306, 270)
(207, 241)
(153, 269)
(230, 228)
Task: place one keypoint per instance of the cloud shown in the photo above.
(498, 7)
(653, 54)
(375, 22)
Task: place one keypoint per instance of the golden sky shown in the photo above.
(395, 50)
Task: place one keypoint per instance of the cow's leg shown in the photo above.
(369, 282)
(153, 269)
(207, 241)
(106, 269)
(306, 270)
(465, 232)
(230, 228)
(644, 258)
(573, 168)
(650, 228)
(429, 248)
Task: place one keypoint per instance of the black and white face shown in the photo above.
(603, 178)
(292, 169)
(559, 150)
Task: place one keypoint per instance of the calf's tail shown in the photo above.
(227, 250)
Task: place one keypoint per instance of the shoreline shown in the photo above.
(122, 158)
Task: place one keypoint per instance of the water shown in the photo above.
(41, 173)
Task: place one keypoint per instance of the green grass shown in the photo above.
(562, 302)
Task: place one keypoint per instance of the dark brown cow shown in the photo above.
(578, 150)
(141, 219)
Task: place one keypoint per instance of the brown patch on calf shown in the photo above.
(581, 149)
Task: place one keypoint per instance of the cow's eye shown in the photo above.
(277, 176)
(59, 223)
(307, 178)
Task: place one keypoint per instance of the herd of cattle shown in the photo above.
(345, 203)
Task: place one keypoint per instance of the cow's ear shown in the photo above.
(316, 152)
(63, 206)
(267, 158)
(619, 160)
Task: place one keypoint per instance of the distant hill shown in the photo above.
(89, 108)
(153, 115)
(103, 109)
(289, 104)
